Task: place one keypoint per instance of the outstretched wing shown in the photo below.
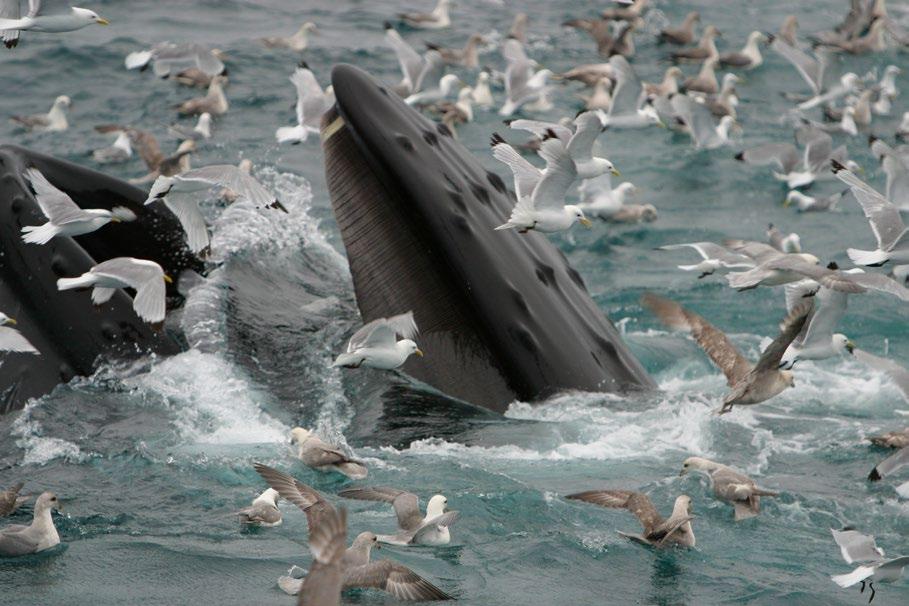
(790, 328)
(549, 194)
(712, 340)
(306, 498)
(897, 373)
(884, 216)
(58, 207)
(397, 579)
(637, 503)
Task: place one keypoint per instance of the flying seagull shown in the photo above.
(375, 345)
(11, 23)
(11, 339)
(856, 547)
(145, 277)
(748, 384)
(64, 217)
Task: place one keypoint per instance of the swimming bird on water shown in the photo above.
(118, 151)
(413, 526)
(298, 41)
(892, 439)
(684, 34)
(706, 48)
(658, 532)
(705, 81)
(730, 485)
(41, 535)
(263, 511)
(145, 277)
(65, 217)
(856, 547)
(468, 56)
(356, 567)
(749, 57)
(214, 102)
(437, 19)
(325, 457)
(10, 499)
(375, 345)
(749, 384)
(36, 20)
(53, 121)
(13, 340)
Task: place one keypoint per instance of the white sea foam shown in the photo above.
(212, 402)
(39, 449)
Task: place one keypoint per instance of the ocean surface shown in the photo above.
(151, 459)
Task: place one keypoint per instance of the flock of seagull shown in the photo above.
(701, 105)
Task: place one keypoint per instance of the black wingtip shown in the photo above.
(874, 476)
(836, 166)
(833, 265)
(277, 204)
(303, 64)
(740, 156)
(387, 25)
(496, 139)
(872, 139)
(549, 134)
(508, 121)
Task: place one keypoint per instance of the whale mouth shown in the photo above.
(417, 214)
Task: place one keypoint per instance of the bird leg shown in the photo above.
(862, 588)
(871, 587)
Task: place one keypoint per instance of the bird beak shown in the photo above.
(419, 352)
(11, 320)
(102, 21)
(168, 279)
(681, 473)
(850, 346)
(786, 203)
(377, 546)
(616, 172)
(661, 124)
(115, 219)
(585, 222)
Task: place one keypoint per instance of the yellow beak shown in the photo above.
(11, 320)
(168, 279)
(102, 21)
(115, 220)
(419, 352)
(585, 222)
(616, 172)
(786, 203)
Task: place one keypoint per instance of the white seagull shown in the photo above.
(145, 277)
(312, 102)
(64, 217)
(856, 547)
(179, 194)
(375, 345)
(35, 20)
(13, 340)
(541, 195)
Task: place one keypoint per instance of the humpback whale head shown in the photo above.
(417, 214)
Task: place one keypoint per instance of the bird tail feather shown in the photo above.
(71, 283)
(39, 234)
